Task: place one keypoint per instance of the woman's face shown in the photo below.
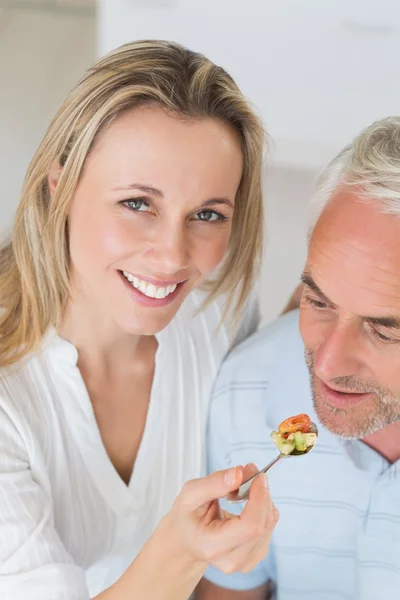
(152, 215)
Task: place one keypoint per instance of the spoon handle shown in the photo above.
(242, 493)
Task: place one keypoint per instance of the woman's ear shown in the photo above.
(53, 178)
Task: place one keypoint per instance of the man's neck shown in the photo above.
(386, 441)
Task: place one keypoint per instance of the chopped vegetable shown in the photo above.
(300, 441)
(283, 445)
(294, 434)
(297, 423)
(311, 439)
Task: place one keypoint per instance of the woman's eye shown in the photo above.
(137, 205)
(316, 303)
(209, 215)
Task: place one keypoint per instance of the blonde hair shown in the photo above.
(34, 266)
(371, 163)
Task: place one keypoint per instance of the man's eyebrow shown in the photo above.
(389, 322)
(309, 282)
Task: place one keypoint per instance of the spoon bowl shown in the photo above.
(242, 493)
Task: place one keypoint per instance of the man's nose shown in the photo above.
(339, 354)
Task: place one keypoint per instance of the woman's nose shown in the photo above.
(170, 251)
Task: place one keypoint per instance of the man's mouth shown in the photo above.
(338, 398)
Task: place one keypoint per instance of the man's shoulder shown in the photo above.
(262, 382)
(275, 346)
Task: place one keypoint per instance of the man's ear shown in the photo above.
(53, 178)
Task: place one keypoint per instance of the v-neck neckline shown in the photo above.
(124, 499)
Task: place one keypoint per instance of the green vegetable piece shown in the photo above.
(275, 435)
(300, 441)
(286, 447)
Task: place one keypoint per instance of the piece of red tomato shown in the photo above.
(300, 422)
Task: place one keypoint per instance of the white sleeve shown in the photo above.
(34, 564)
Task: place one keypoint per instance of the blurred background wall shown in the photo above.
(44, 48)
(317, 70)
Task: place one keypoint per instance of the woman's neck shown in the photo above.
(101, 344)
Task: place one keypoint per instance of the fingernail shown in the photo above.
(252, 467)
(264, 480)
(230, 477)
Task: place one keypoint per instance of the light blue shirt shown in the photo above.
(338, 537)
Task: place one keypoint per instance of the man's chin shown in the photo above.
(351, 423)
(338, 421)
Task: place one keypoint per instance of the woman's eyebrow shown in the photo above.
(147, 189)
(152, 191)
(218, 201)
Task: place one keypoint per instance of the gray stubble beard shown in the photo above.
(387, 406)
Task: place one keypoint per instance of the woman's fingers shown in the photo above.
(198, 492)
(258, 523)
(227, 541)
(245, 557)
(259, 504)
(249, 471)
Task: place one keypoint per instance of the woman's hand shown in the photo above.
(195, 534)
(209, 535)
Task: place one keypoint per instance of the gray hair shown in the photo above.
(371, 163)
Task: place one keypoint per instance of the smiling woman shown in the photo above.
(159, 193)
(133, 257)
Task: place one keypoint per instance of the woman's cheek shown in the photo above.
(211, 254)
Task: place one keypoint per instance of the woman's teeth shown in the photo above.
(149, 289)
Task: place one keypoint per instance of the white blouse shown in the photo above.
(69, 526)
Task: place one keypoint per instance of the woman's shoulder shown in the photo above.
(212, 321)
(19, 383)
(25, 384)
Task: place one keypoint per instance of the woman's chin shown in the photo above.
(144, 324)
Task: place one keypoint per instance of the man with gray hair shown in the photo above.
(338, 537)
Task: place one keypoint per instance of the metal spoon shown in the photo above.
(242, 493)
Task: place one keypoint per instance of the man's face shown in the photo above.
(350, 316)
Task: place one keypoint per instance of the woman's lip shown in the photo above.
(146, 300)
(156, 282)
(340, 399)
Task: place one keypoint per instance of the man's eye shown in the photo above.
(381, 337)
(316, 303)
(137, 205)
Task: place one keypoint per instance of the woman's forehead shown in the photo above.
(157, 147)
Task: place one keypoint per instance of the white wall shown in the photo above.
(42, 54)
(287, 192)
(318, 70)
